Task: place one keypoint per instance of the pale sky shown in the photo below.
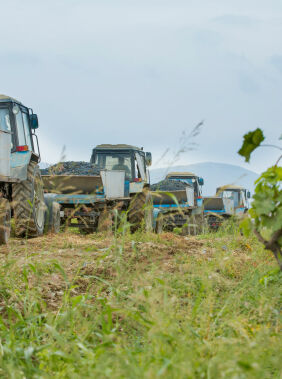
(142, 72)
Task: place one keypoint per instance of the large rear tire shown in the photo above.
(141, 211)
(5, 221)
(28, 203)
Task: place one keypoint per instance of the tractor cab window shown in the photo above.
(226, 194)
(5, 122)
(236, 196)
(20, 126)
(141, 171)
(137, 172)
(231, 194)
(243, 199)
(23, 128)
(27, 130)
(114, 161)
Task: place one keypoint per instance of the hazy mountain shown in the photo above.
(214, 174)
(44, 165)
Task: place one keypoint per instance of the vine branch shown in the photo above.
(269, 145)
(272, 244)
(278, 160)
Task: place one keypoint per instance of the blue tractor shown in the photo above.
(230, 200)
(182, 208)
(21, 186)
(119, 183)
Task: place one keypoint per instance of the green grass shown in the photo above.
(140, 306)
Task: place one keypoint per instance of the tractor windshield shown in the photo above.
(237, 196)
(184, 180)
(114, 161)
(189, 180)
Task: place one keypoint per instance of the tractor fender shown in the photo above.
(136, 187)
(52, 214)
(19, 164)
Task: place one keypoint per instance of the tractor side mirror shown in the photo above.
(201, 181)
(248, 194)
(34, 121)
(148, 159)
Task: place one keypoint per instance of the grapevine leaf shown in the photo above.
(272, 176)
(252, 140)
(263, 205)
(277, 221)
(271, 225)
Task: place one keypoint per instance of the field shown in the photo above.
(141, 305)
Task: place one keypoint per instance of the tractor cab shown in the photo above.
(238, 194)
(19, 122)
(17, 125)
(130, 159)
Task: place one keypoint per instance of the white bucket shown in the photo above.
(190, 196)
(5, 153)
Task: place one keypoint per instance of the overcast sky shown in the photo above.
(143, 72)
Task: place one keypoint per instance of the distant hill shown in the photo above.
(214, 174)
(44, 165)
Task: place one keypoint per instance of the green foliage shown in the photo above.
(265, 215)
(266, 208)
(252, 140)
(266, 211)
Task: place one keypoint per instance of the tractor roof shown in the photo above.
(184, 174)
(118, 147)
(230, 187)
(4, 98)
